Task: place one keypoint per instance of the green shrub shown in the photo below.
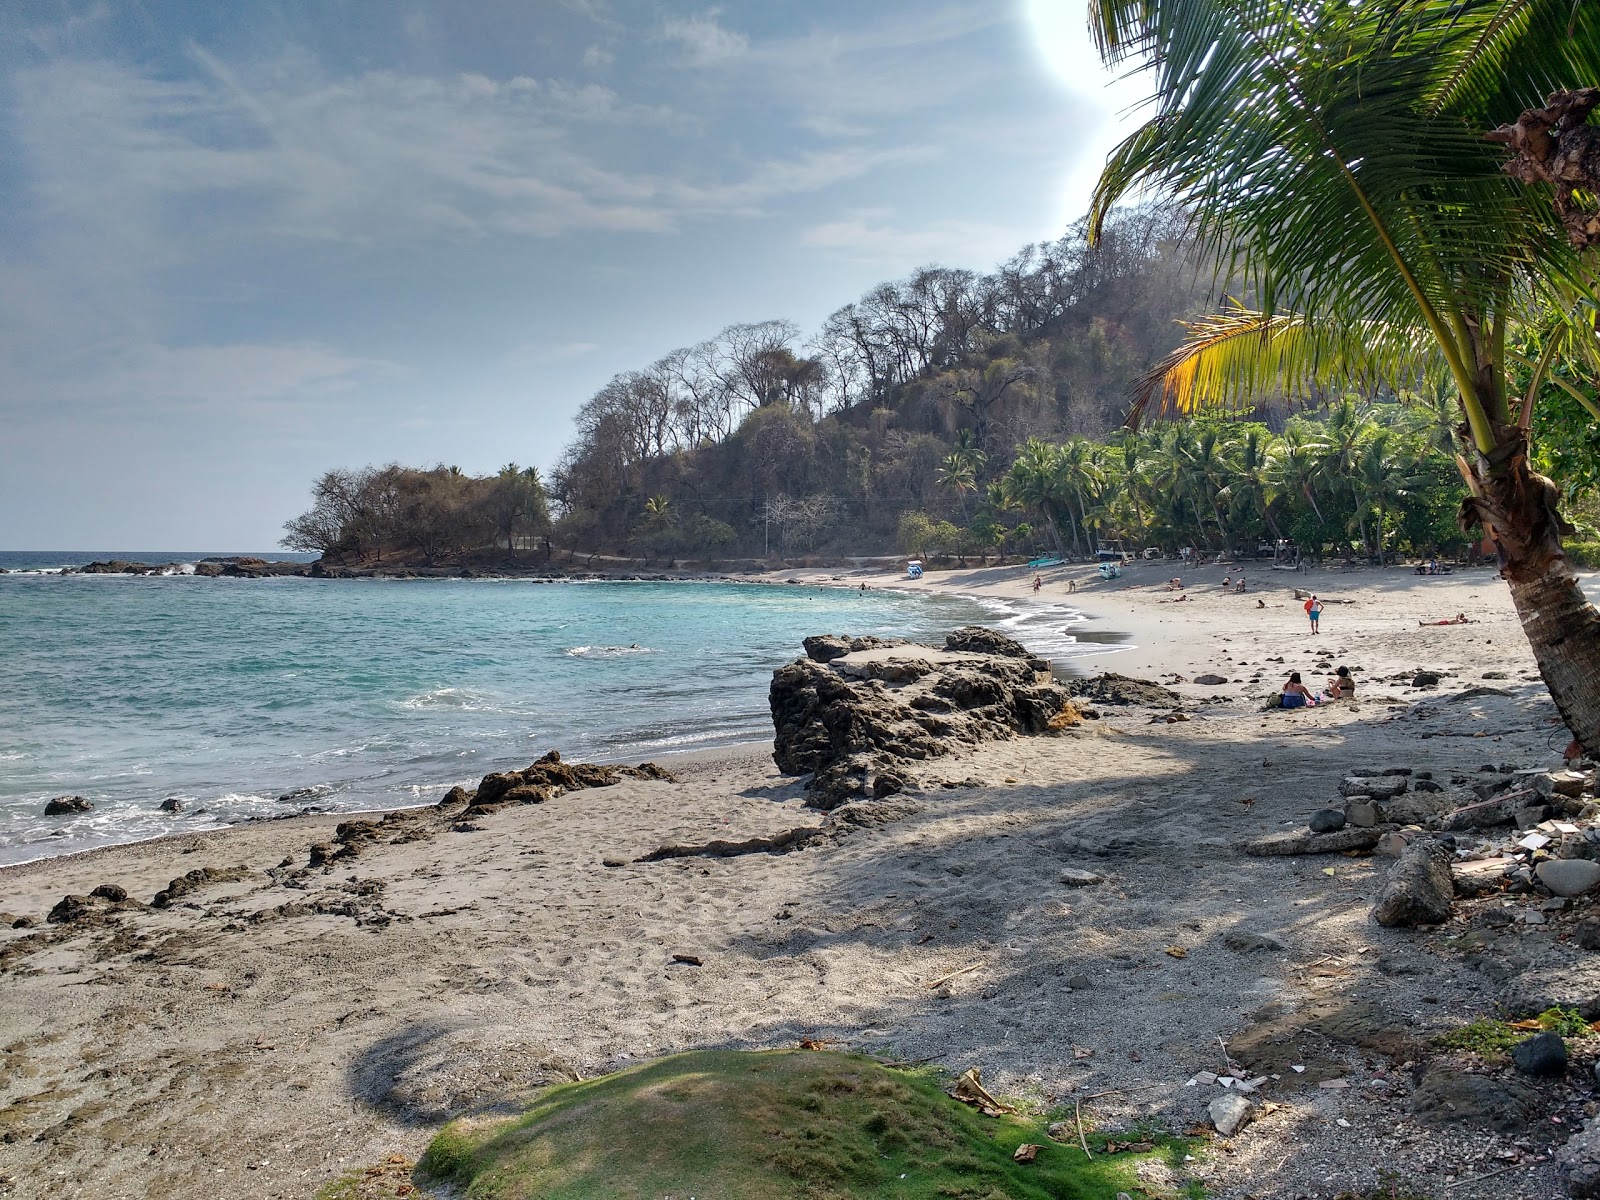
(1583, 554)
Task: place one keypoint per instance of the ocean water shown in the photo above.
(359, 694)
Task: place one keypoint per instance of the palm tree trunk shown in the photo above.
(1519, 507)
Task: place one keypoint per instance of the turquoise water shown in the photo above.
(229, 693)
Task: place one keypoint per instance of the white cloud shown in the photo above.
(295, 153)
(597, 58)
(704, 41)
(544, 354)
(871, 235)
(152, 377)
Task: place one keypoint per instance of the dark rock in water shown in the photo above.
(1327, 820)
(304, 793)
(172, 804)
(855, 721)
(115, 566)
(1451, 1096)
(111, 892)
(1419, 889)
(1426, 785)
(65, 806)
(1111, 688)
(975, 639)
(1542, 1054)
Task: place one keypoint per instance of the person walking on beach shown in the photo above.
(1037, 583)
(1314, 611)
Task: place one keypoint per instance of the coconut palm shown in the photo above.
(1334, 155)
(1034, 484)
(956, 475)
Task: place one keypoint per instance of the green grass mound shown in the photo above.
(730, 1125)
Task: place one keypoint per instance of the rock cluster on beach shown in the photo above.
(856, 713)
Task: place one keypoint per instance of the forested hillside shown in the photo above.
(952, 413)
(761, 438)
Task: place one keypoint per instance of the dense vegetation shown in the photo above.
(435, 516)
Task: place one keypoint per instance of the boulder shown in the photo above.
(172, 804)
(65, 806)
(869, 714)
(1568, 876)
(1425, 679)
(70, 909)
(1363, 813)
(1393, 843)
(1075, 877)
(1544, 1054)
(975, 639)
(1230, 1112)
(1420, 805)
(112, 892)
(1578, 1162)
(1328, 820)
(1111, 688)
(1348, 838)
(1373, 787)
(1486, 814)
(1560, 783)
(1449, 1096)
(1419, 889)
(1210, 680)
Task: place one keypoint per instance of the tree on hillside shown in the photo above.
(1334, 156)
(515, 504)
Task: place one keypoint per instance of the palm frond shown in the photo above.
(1236, 359)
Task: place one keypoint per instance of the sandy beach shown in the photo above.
(279, 1021)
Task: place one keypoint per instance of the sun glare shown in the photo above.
(1061, 37)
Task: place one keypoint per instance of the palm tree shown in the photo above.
(1334, 155)
(1034, 483)
(957, 475)
(1251, 493)
(1294, 464)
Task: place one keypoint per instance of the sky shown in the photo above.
(241, 244)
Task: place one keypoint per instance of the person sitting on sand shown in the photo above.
(1458, 619)
(1260, 603)
(1174, 584)
(1341, 686)
(1296, 694)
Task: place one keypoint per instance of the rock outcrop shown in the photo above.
(856, 713)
